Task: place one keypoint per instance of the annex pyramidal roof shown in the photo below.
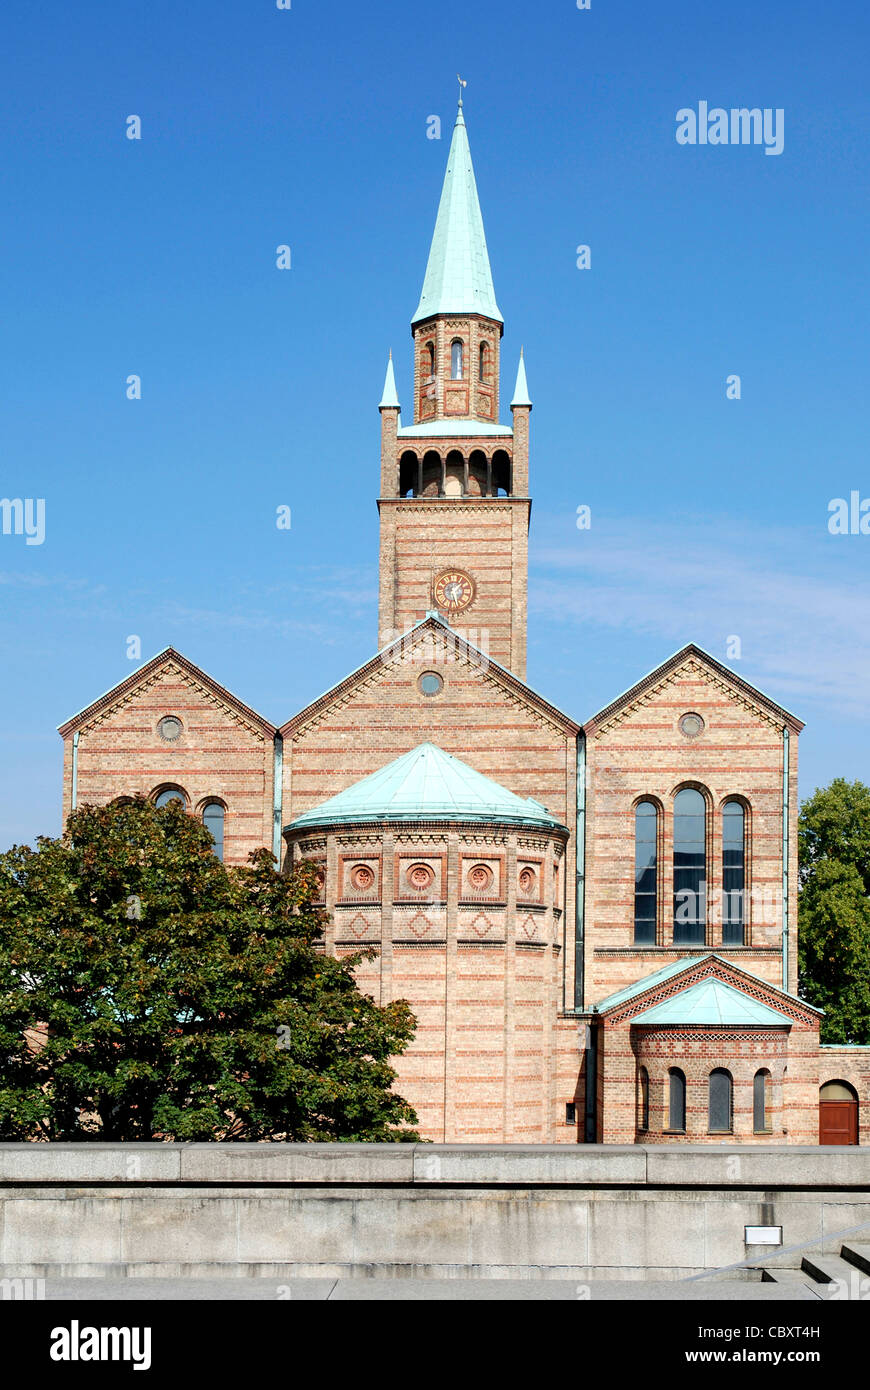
(427, 784)
(710, 1000)
(458, 277)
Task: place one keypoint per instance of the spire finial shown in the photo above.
(462, 83)
(521, 390)
(390, 400)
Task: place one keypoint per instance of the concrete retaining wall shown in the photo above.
(350, 1209)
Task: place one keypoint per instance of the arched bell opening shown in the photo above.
(478, 474)
(454, 474)
(431, 486)
(501, 474)
(409, 474)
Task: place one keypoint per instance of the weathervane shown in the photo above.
(462, 83)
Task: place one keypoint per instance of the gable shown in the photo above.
(170, 676)
(654, 999)
(431, 643)
(691, 671)
(482, 715)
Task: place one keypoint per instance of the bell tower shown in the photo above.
(454, 505)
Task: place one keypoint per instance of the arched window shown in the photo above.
(676, 1100)
(456, 359)
(170, 794)
(213, 820)
(484, 361)
(733, 874)
(643, 1098)
(761, 1102)
(645, 873)
(719, 1109)
(430, 354)
(690, 868)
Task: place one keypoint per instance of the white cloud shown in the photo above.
(799, 600)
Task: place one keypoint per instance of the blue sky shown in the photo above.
(307, 127)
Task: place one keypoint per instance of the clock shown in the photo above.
(453, 590)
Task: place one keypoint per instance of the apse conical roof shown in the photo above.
(427, 784)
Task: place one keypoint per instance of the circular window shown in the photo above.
(527, 882)
(480, 877)
(430, 683)
(169, 728)
(362, 877)
(691, 725)
(420, 877)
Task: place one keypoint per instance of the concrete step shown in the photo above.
(785, 1276)
(826, 1269)
(858, 1255)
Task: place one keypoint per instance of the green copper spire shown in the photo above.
(390, 398)
(458, 278)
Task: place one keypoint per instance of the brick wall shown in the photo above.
(221, 754)
(480, 967)
(639, 753)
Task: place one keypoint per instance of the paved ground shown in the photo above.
(396, 1290)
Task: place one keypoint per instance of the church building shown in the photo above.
(592, 915)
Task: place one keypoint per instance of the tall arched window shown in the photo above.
(484, 361)
(690, 868)
(720, 1102)
(430, 353)
(733, 874)
(170, 794)
(761, 1102)
(643, 1098)
(676, 1100)
(456, 359)
(213, 820)
(645, 873)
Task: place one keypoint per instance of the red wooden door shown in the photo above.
(838, 1121)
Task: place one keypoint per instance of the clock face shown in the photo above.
(453, 590)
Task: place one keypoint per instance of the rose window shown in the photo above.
(420, 877)
(480, 878)
(527, 881)
(362, 878)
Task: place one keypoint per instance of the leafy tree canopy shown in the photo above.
(834, 908)
(147, 991)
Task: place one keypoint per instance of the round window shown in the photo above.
(169, 728)
(362, 878)
(480, 877)
(527, 881)
(430, 683)
(420, 877)
(691, 725)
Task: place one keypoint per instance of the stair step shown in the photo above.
(825, 1269)
(858, 1255)
(784, 1276)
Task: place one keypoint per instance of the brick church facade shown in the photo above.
(594, 920)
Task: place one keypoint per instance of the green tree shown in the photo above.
(834, 908)
(149, 992)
